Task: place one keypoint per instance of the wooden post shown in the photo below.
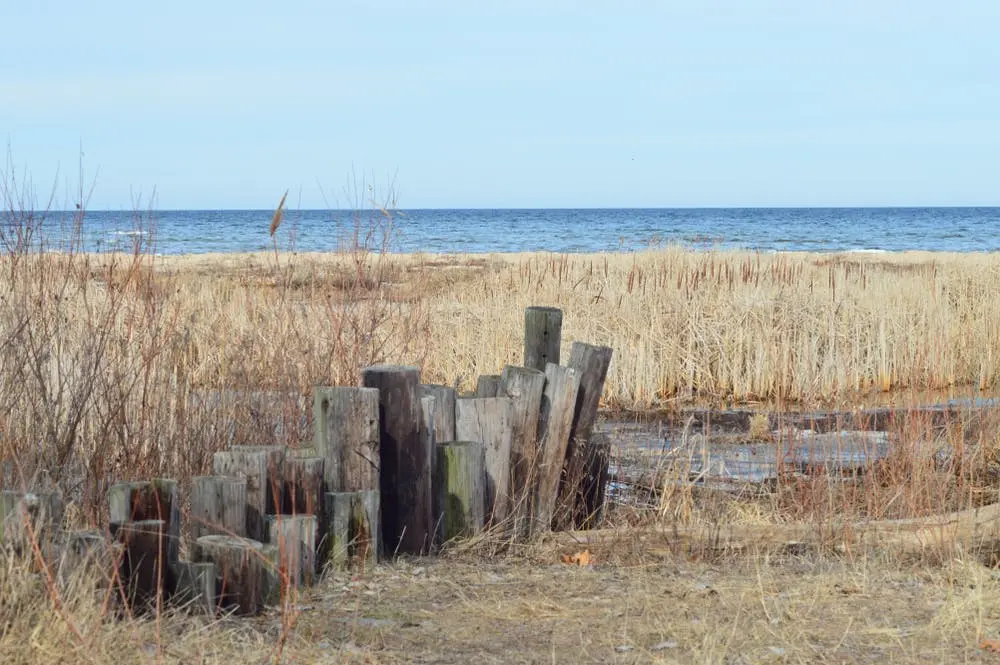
(554, 424)
(240, 567)
(489, 420)
(157, 499)
(25, 516)
(352, 539)
(295, 536)
(488, 385)
(583, 458)
(85, 552)
(273, 581)
(347, 437)
(218, 506)
(262, 468)
(196, 585)
(405, 479)
(145, 569)
(524, 387)
(444, 411)
(542, 336)
(459, 488)
(304, 486)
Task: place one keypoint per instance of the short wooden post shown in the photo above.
(262, 468)
(304, 486)
(489, 420)
(583, 458)
(240, 566)
(274, 582)
(157, 499)
(347, 437)
(554, 424)
(87, 550)
(444, 411)
(145, 569)
(542, 336)
(295, 536)
(218, 506)
(459, 488)
(196, 585)
(524, 387)
(352, 539)
(27, 516)
(488, 385)
(405, 479)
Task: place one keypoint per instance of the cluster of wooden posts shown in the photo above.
(396, 467)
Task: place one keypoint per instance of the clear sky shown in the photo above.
(220, 104)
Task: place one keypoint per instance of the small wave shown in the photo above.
(126, 233)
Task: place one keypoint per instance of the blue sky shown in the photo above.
(220, 104)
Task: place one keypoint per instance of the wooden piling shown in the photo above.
(295, 537)
(554, 424)
(444, 411)
(218, 506)
(29, 516)
(584, 458)
(542, 336)
(352, 538)
(262, 468)
(489, 420)
(240, 567)
(459, 489)
(142, 501)
(488, 385)
(347, 437)
(304, 486)
(144, 568)
(524, 387)
(405, 478)
(196, 586)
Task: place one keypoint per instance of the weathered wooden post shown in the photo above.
(459, 489)
(304, 486)
(145, 501)
(196, 585)
(554, 424)
(295, 536)
(405, 478)
(240, 566)
(218, 506)
(488, 385)
(353, 528)
(542, 336)
(145, 569)
(27, 516)
(444, 411)
(489, 420)
(585, 458)
(524, 387)
(262, 468)
(347, 437)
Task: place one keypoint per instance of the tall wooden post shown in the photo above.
(489, 421)
(347, 437)
(524, 387)
(444, 411)
(554, 424)
(262, 468)
(147, 501)
(542, 336)
(405, 478)
(218, 505)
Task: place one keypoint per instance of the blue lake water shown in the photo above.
(582, 230)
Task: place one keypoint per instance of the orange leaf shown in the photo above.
(583, 558)
(990, 645)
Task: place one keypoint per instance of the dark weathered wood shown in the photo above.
(405, 478)
(352, 538)
(145, 569)
(274, 585)
(29, 517)
(488, 385)
(218, 506)
(157, 499)
(295, 536)
(304, 486)
(197, 586)
(489, 420)
(542, 336)
(554, 424)
(444, 411)
(262, 468)
(524, 387)
(347, 437)
(583, 475)
(460, 489)
(240, 568)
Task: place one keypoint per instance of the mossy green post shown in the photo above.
(460, 489)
